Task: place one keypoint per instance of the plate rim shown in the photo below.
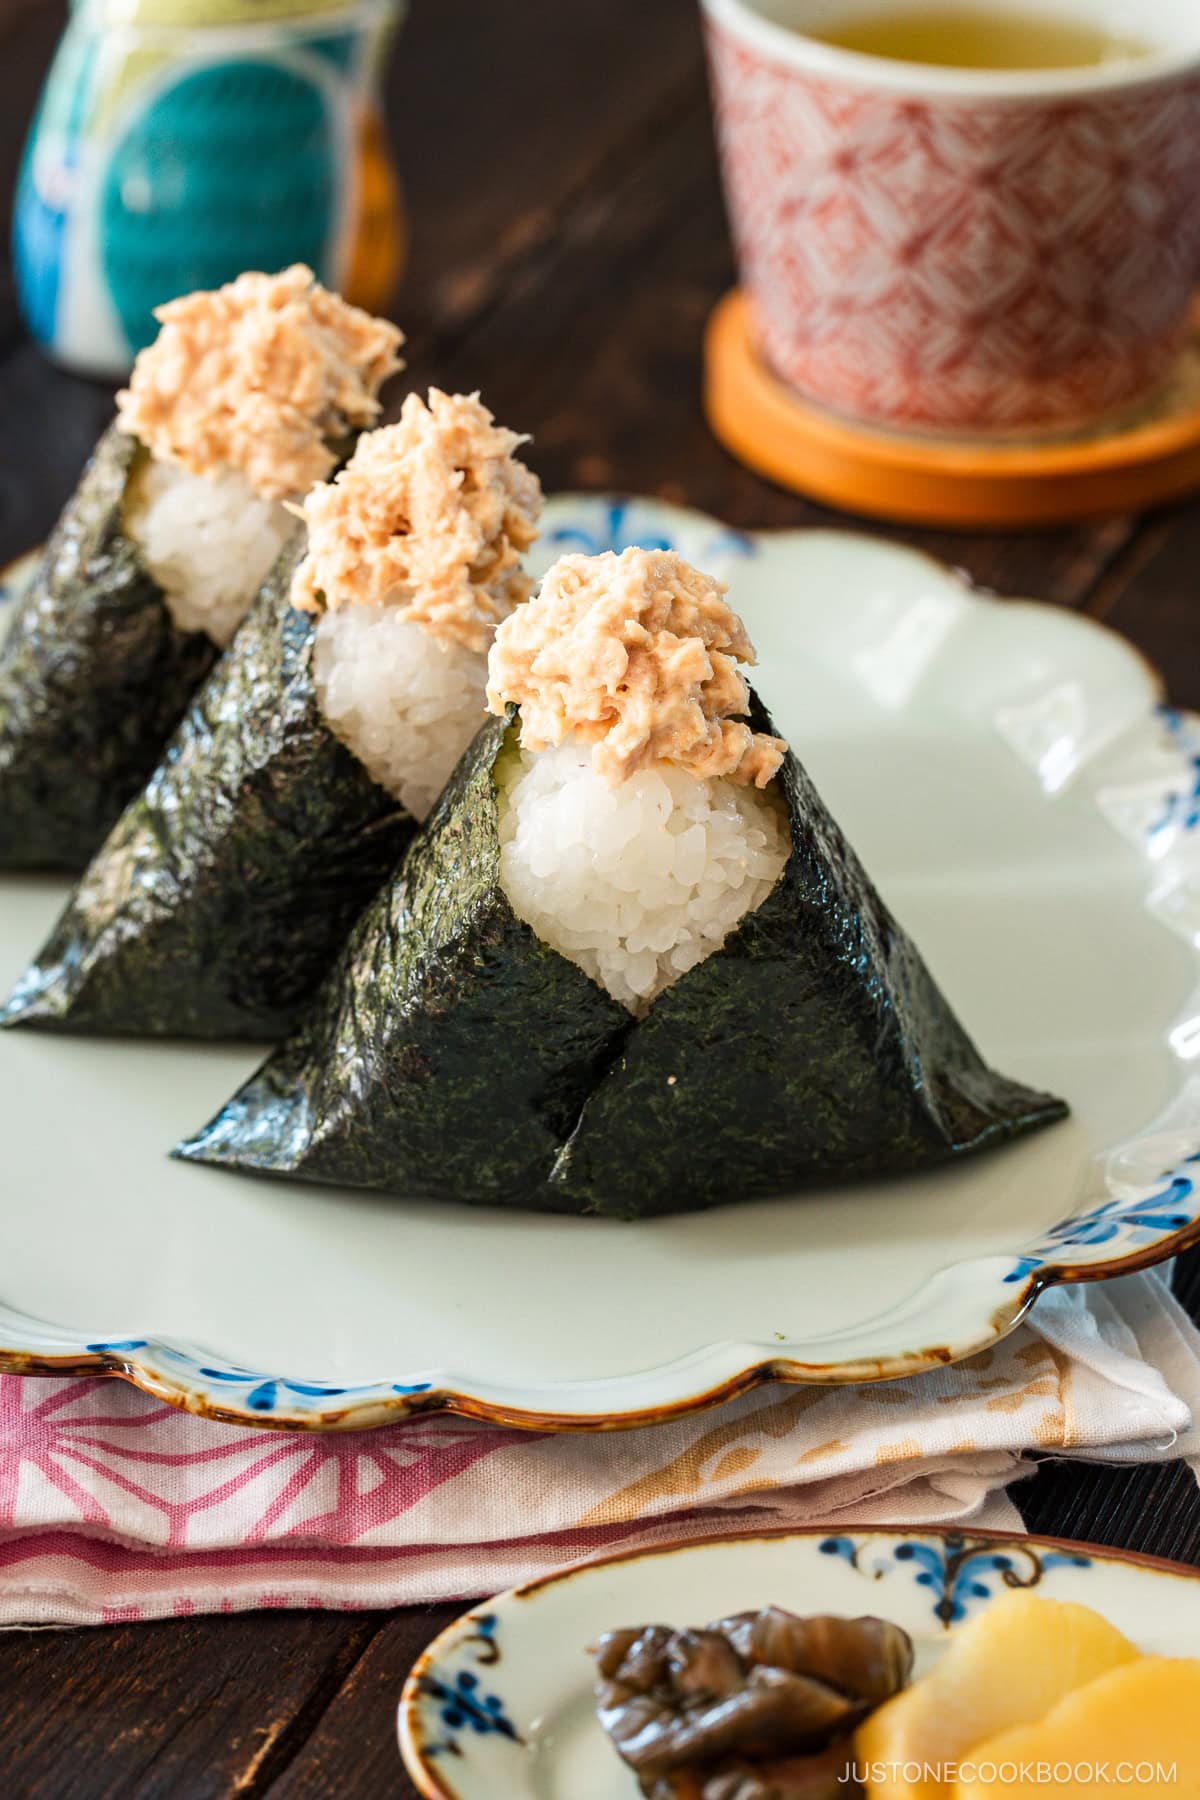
(383, 1409)
(426, 1778)
(189, 1380)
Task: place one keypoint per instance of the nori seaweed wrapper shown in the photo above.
(228, 886)
(814, 1046)
(94, 677)
(451, 1051)
(453, 1054)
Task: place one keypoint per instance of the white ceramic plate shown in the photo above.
(1029, 812)
(501, 1702)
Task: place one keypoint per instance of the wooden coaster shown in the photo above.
(1152, 457)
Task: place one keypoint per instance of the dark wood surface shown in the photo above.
(568, 240)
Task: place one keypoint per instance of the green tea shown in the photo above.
(962, 37)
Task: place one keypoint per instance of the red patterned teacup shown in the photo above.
(972, 251)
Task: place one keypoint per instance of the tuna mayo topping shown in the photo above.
(431, 516)
(637, 655)
(262, 376)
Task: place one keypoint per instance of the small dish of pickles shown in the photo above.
(878, 1665)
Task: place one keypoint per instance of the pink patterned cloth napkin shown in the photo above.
(116, 1507)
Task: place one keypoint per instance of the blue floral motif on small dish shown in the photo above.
(464, 1707)
(959, 1573)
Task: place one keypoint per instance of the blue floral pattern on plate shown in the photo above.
(959, 1572)
(1153, 796)
(1120, 1225)
(618, 522)
(262, 1395)
(1180, 809)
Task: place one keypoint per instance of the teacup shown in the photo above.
(972, 251)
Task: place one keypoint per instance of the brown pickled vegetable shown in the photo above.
(759, 1706)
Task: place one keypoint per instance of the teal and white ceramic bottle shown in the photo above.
(178, 142)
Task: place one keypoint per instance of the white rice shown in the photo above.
(407, 703)
(638, 883)
(209, 542)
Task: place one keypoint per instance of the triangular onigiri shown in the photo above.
(217, 903)
(455, 1055)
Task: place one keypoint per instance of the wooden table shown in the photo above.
(568, 242)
